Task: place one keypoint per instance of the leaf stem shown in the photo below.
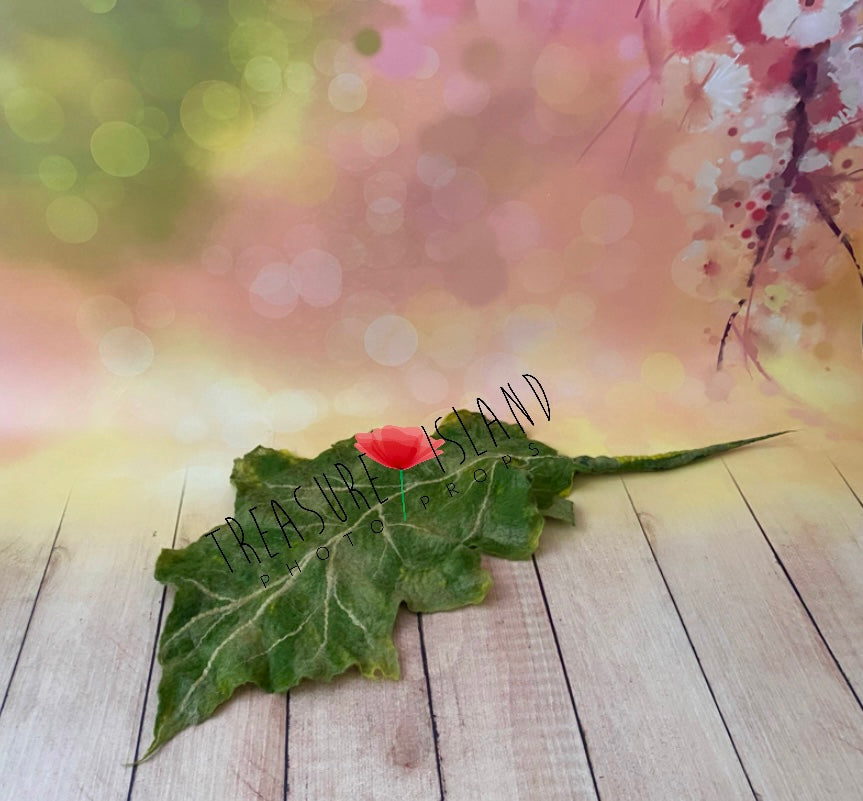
(402, 483)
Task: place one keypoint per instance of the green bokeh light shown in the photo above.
(99, 6)
(34, 115)
(72, 219)
(367, 41)
(263, 74)
(57, 173)
(215, 115)
(120, 149)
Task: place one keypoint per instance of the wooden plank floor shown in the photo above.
(697, 635)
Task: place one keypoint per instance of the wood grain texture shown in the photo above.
(643, 699)
(238, 755)
(791, 714)
(30, 521)
(73, 711)
(815, 525)
(506, 723)
(358, 739)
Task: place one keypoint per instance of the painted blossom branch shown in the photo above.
(804, 78)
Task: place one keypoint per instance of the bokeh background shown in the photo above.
(284, 221)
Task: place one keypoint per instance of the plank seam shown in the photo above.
(581, 730)
(796, 590)
(155, 646)
(287, 735)
(756, 795)
(847, 483)
(435, 734)
(35, 601)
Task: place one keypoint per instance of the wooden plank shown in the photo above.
(73, 710)
(792, 716)
(815, 525)
(642, 697)
(362, 736)
(238, 754)
(505, 718)
(31, 515)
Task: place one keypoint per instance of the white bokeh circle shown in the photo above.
(391, 340)
(126, 351)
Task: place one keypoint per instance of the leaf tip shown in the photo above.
(154, 746)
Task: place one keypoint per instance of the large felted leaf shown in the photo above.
(312, 597)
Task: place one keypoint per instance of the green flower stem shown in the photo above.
(402, 483)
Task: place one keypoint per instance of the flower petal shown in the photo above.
(398, 447)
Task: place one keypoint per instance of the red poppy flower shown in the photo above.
(397, 447)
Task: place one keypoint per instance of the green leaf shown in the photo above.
(560, 509)
(333, 588)
(594, 465)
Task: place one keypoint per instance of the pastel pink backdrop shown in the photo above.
(564, 189)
